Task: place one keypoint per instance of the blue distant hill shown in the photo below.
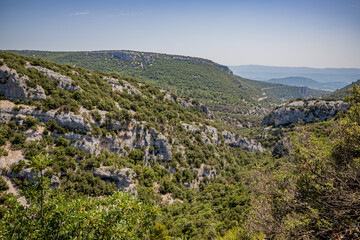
(322, 75)
(308, 82)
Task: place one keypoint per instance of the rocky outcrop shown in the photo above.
(162, 150)
(235, 140)
(68, 120)
(131, 135)
(15, 87)
(26, 174)
(120, 85)
(230, 138)
(64, 81)
(13, 189)
(123, 178)
(13, 157)
(206, 110)
(307, 111)
(282, 148)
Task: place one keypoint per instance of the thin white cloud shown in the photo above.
(80, 13)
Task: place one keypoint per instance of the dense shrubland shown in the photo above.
(312, 193)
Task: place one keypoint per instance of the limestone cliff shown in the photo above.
(306, 111)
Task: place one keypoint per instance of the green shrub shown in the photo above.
(136, 155)
(96, 115)
(31, 121)
(60, 141)
(18, 139)
(3, 185)
(3, 152)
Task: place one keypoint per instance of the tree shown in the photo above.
(39, 163)
(317, 194)
(119, 216)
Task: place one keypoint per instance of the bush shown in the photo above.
(3, 184)
(3, 152)
(31, 121)
(119, 216)
(54, 127)
(96, 115)
(137, 155)
(18, 139)
(60, 141)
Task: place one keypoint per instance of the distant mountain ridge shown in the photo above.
(308, 82)
(148, 57)
(263, 73)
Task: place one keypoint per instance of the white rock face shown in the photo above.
(235, 140)
(120, 85)
(122, 177)
(231, 139)
(14, 86)
(26, 173)
(64, 81)
(307, 111)
(69, 120)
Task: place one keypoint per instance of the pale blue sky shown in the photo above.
(313, 33)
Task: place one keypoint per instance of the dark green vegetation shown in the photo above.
(200, 195)
(315, 194)
(191, 77)
(50, 215)
(205, 191)
(212, 84)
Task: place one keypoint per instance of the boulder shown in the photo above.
(15, 87)
(122, 177)
(235, 140)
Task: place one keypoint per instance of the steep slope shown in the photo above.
(213, 84)
(315, 182)
(107, 133)
(201, 79)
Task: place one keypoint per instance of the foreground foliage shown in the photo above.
(51, 215)
(315, 193)
(119, 216)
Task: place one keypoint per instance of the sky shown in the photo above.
(299, 33)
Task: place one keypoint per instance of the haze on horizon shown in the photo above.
(309, 33)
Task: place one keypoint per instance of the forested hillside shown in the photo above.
(88, 155)
(212, 84)
(101, 133)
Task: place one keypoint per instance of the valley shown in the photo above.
(210, 83)
(135, 145)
